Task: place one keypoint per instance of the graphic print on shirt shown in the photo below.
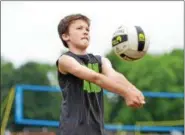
(88, 86)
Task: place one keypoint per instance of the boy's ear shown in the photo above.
(65, 37)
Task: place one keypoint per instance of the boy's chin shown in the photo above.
(86, 43)
(84, 46)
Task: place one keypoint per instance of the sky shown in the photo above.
(29, 28)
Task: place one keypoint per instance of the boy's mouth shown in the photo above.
(86, 38)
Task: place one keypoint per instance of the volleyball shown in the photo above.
(130, 42)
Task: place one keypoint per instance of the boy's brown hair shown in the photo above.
(64, 24)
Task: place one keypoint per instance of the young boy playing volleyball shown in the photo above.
(82, 77)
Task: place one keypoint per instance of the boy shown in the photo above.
(83, 77)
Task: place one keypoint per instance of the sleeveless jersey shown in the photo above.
(82, 106)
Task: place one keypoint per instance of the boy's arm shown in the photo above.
(108, 71)
(68, 64)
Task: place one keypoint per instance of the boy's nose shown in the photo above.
(86, 32)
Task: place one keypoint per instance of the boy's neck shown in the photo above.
(78, 51)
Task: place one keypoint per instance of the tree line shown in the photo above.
(155, 73)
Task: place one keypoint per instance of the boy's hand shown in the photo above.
(134, 98)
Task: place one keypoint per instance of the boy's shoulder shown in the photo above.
(63, 53)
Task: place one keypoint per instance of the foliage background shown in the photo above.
(157, 73)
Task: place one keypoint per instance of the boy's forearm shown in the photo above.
(121, 79)
(112, 85)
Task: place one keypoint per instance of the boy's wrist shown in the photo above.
(126, 91)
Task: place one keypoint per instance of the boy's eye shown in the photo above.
(80, 28)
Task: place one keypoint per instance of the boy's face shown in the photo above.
(78, 34)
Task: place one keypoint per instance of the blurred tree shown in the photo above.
(32, 73)
(37, 105)
(163, 72)
(7, 77)
(157, 73)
